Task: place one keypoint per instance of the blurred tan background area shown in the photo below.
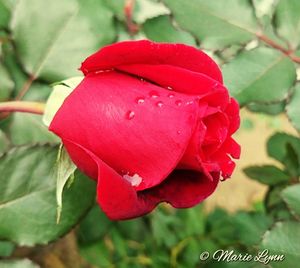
(240, 192)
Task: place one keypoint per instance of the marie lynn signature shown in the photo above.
(221, 255)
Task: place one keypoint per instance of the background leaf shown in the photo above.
(277, 145)
(6, 248)
(287, 19)
(293, 108)
(161, 29)
(27, 196)
(6, 84)
(267, 174)
(291, 195)
(55, 54)
(283, 238)
(270, 109)
(216, 24)
(28, 129)
(4, 14)
(264, 75)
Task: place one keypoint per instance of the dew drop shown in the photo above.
(135, 180)
(169, 88)
(130, 115)
(178, 102)
(171, 95)
(153, 94)
(189, 102)
(159, 104)
(140, 100)
(142, 80)
(104, 71)
(178, 132)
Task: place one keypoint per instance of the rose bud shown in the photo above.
(150, 122)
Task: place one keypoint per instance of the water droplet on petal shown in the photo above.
(159, 104)
(153, 94)
(189, 102)
(104, 71)
(178, 102)
(135, 180)
(142, 80)
(178, 132)
(171, 95)
(169, 88)
(130, 115)
(140, 100)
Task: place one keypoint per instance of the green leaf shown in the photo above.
(54, 48)
(292, 161)
(6, 248)
(148, 9)
(6, 84)
(38, 92)
(143, 9)
(264, 10)
(91, 254)
(293, 108)
(12, 65)
(273, 196)
(260, 75)
(4, 14)
(221, 227)
(267, 174)
(276, 145)
(94, 226)
(135, 229)
(284, 239)
(251, 226)
(163, 226)
(161, 29)
(216, 24)
(263, 7)
(57, 97)
(27, 196)
(193, 220)
(25, 263)
(117, 7)
(65, 168)
(291, 195)
(270, 109)
(28, 129)
(287, 20)
(4, 142)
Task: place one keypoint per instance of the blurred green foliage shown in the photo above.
(257, 45)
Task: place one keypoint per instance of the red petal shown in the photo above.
(120, 201)
(233, 112)
(216, 132)
(104, 115)
(174, 78)
(185, 188)
(147, 52)
(191, 158)
(182, 189)
(226, 164)
(231, 147)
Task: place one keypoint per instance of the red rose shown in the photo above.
(150, 122)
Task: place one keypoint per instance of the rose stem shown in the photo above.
(273, 44)
(22, 106)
